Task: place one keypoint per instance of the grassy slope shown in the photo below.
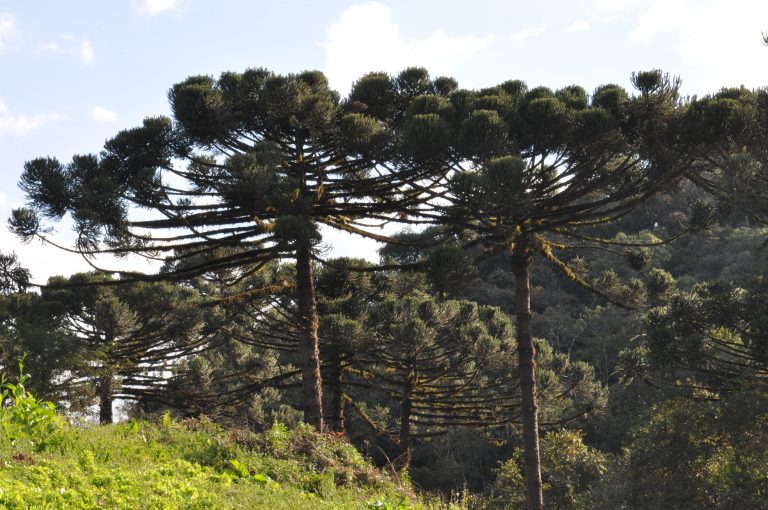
(192, 465)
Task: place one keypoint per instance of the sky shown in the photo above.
(73, 74)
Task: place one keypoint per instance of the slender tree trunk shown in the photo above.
(105, 400)
(405, 430)
(335, 418)
(521, 266)
(309, 353)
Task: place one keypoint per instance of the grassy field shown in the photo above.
(46, 463)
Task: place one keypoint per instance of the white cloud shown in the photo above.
(659, 17)
(528, 33)
(8, 30)
(71, 46)
(720, 41)
(365, 39)
(20, 124)
(154, 7)
(103, 115)
(51, 47)
(577, 26)
(616, 5)
(86, 51)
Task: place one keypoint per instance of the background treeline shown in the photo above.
(577, 289)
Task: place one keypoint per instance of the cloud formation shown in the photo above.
(86, 51)
(155, 7)
(8, 30)
(71, 46)
(20, 124)
(365, 38)
(616, 5)
(711, 36)
(528, 33)
(101, 114)
(577, 26)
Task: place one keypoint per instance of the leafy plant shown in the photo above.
(265, 481)
(239, 468)
(22, 415)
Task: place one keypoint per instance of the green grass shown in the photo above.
(192, 465)
(46, 463)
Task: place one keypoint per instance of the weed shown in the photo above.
(23, 417)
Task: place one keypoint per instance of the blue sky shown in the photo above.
(74, 73)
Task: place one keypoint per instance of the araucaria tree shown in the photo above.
(252, 161)
(126, 337)
(547, 166)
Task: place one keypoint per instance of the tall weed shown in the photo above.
(24, 417)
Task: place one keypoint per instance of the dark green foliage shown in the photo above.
(570, 470)
(117, 339)
(612, 98)
(361, 133)
(260, 149)
(450, 270)
(424, 137)
(13, 277)
(716, 332)
(706, 452)
(551, 171)
(482, 134)
(728, 132)
(659, 286)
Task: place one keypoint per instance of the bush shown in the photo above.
(569, 471)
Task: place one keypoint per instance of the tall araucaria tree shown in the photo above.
(253, 161)
(547, 166)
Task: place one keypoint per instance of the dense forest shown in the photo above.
(568, 310)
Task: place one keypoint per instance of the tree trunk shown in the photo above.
(335, 418)
(309, 353)
(521, 266)
(105, 400)
(405, 430)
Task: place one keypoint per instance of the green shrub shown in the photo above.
(23, 417)
(569, 471)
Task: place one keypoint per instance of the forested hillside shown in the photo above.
(568, 310)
